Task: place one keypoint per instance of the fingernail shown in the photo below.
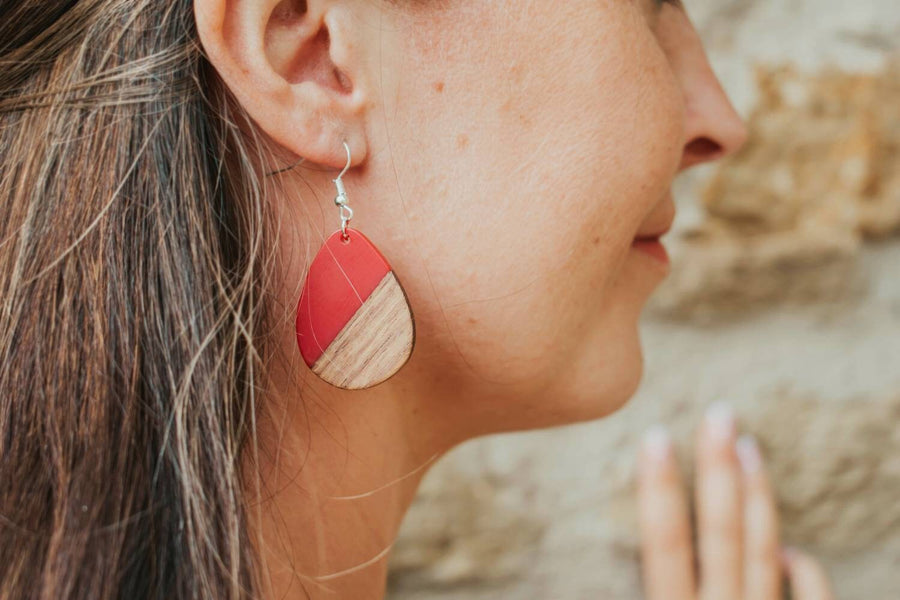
(720, 421)
(749, 454)
(658, 443)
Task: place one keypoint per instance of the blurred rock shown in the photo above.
(785, 218)
(823, 155)
(837, 468)
(467, 529)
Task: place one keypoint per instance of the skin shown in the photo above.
(505, 154)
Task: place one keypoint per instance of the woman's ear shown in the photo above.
(295, 67)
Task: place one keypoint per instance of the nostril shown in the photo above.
(704, 148)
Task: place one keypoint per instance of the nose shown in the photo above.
(713, 129)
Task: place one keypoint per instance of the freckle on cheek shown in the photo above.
(439, 86)
(462, 140)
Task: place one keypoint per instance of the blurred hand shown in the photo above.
(740, 556)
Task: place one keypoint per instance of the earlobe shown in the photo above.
(289, 64)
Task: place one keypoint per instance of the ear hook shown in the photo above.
(342, 193)
(347, 166)
(341, 198)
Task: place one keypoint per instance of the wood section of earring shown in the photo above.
(355, 327)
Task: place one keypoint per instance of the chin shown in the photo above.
(600, 385)
(602, 392)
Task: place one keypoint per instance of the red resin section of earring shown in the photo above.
(341, 278)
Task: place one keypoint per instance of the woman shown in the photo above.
(168, 174)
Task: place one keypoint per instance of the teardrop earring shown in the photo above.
(355, 328)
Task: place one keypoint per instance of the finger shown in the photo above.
(668, 561)
(719, 508)
(762, 552)
(808, 579)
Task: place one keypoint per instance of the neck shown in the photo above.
(337, 471)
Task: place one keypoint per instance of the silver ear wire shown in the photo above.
(341, 199)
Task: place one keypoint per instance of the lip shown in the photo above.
(648, 240)
(661, 226)
(653, 235)
(653, 247)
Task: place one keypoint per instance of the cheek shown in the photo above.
(551, 137)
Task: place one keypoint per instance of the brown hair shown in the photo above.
(133, 247)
